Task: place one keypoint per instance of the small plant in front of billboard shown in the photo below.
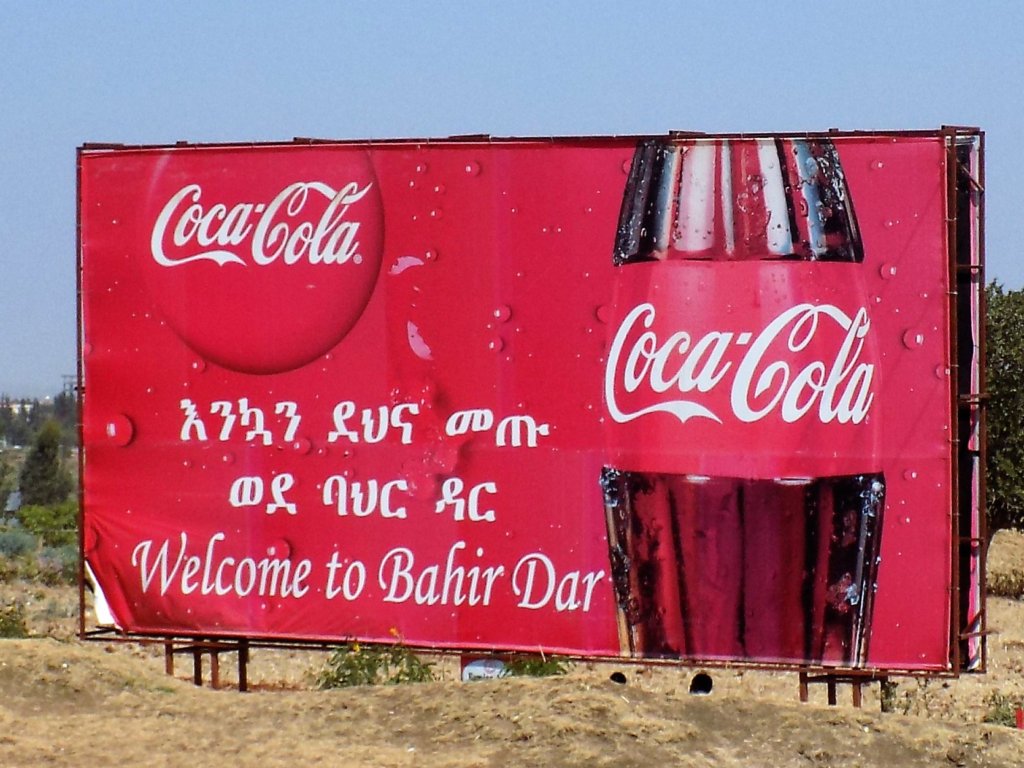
(1002, 710)
(535, 666)
(360, 664)
(12, 621)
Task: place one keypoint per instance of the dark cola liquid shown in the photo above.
(770, 570)
(735, 568)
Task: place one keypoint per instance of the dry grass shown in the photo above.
(91, 704)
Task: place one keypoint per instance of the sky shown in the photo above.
(158, 72)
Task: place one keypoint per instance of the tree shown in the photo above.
(1005, 387)
(44, 479)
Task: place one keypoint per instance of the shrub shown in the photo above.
(1002, 710)
(12, 621)
(58, 565)
(356, 664)
(1005, 385)
(535, 666)
(15, 543)
(55, 524)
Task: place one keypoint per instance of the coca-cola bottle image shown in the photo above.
(744, 497)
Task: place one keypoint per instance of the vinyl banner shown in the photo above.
(677, 398)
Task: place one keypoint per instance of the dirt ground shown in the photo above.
(64, 702)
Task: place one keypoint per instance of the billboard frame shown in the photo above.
(965, 182)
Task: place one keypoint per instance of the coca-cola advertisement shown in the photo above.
(687, 398)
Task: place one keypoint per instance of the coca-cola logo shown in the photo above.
(263, 266)
(272, 231)
(805, 363)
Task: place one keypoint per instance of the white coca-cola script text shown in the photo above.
(291, 227)
(834, 387)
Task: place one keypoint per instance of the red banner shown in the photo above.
(677, 398)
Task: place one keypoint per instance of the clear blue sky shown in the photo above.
(158, 72)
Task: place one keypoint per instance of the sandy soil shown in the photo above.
(63, 702)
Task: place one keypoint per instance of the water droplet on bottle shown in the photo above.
(626, 165)
(496, 344)
(603, 313)
(437, 213)
(187, 463)
(473, 168)
(120, 430)
(421, 167)
(887, 271)
(280, 549)
(913, 339)
(910, 474)
(514, 210)
(430, 254)
(439, 189)
(413, 184)
(302, 446)
(503, 313)
(198, 365)
(941, 371)
(890, 223)
(227, 458)
(877, 165)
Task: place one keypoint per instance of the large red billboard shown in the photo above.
(688, 398)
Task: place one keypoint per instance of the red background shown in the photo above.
(496, 257)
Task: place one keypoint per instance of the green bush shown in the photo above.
(55, 524)
(12, 621)
(15, 543)
(1002, 710)
(356, 664)
(535, 666)
(1005, 388)
(58, 565)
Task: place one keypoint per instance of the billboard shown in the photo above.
(687, 397)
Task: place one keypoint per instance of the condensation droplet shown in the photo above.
(437, 213)
(403, 263)
(603, 313)
(421, 167)
(503, 313)
(887, 271)
(496, 344)
(941, 371)
(913, 339)
(877, 165)
(439, 189)
(626, 165)
(910, 474)
(198, 365)
(416, 343)
(120, 430)
(473, 168)
(228, 458)
(302, 445)
(430, 254)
